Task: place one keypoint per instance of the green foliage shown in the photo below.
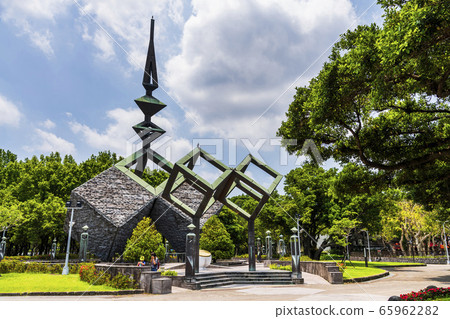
(16, 266)
(169, 273)
(340, 230)
(144, 240)
(216, 239)
(309, 198)
(332, 257)
(89, 274)
(33, 193)
(121, 281)
(280, 267)
(289, 258)
(236, 226)
(382, 100)
(154, 177)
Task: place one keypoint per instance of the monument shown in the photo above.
(118, 198)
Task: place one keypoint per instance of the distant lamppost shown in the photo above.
(190, 254)
(445, 242)
(167, 251)
(269, 245)
(368, 243)
(84, 244)
(69, 205)
(3, 248)
(53, 251)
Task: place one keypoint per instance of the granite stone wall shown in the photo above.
(113, 204)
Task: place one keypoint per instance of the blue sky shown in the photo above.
(70, 70)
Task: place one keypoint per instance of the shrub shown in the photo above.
(169, 273)
(122, 282)
(342, 266)
(426, 294)
(144, 240)
(37, 268)
(289, 258)
(216, 239)
(333, 257)
(279, 267)
(89, 274)
(55, 268)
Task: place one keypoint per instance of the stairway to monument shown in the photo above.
(243, 278)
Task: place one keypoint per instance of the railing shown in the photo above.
(175, 258)
(399, 254)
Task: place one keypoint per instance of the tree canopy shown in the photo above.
(33, 192)
(382, 100)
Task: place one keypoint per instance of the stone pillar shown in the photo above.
(190, 255)
(196, 222)
(251, 245)
(295, 254)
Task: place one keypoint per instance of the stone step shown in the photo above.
(242, 274)
(214, 285)
(212, 280)
(246, 282)
(241, 278)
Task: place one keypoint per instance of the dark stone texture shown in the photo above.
(113, 204)
(146, 280)
(161, 286)
(172, 223)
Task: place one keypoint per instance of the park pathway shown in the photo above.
(400, 280)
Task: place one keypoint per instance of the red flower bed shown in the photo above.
(426, 294)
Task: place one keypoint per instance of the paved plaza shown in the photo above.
(400, 280)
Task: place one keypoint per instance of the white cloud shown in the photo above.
(48, 124)
(10, 114)
(34, 18)
(128, 24)
(115, 135)
(119, 137)
(48, 142)
(237, 57)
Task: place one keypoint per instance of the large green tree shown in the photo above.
(33, 192)
(310, 199)
(382, 99)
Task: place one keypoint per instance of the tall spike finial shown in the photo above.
(150, 80)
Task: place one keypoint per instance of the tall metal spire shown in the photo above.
(150, 80)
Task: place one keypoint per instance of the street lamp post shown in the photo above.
(445, 242)
(66, 265)
(368, 244)
(3, 248)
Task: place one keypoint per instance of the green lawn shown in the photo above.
(31, 282)
(361, 271)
